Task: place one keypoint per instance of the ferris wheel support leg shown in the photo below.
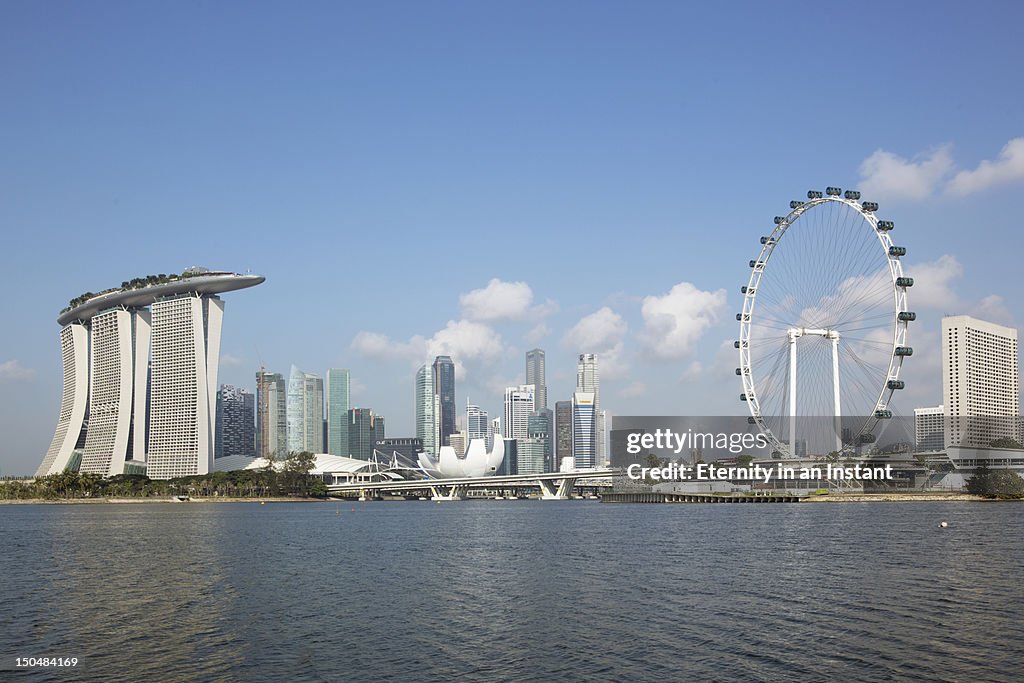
(792, 394)
(835, 391)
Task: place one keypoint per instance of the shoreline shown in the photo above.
(930, 496)
(120, 500)
(925, 496)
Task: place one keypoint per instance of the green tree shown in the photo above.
(995, 483)
(1006, 442)
(296, 471)
(744, 460)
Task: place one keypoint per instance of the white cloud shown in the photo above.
(692, 373)
(380, 346)
(933, 284)
(603, 333)
(885, 175)
(227, 360)
(13, 371)
(465, 341)
(674, 322)
(501, 300)
(538, 332)
(1007, 168)
(994, 308)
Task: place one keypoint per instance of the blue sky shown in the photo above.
(378, 161)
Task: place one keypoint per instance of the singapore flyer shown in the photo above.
(823, 329)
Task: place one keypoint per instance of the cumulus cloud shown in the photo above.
(379, 346)
(1008, 167)
(933, 284)
(465, 341)
(13, 371)
(603, 333)
(675, 321)
(501, 300)
(885, 175)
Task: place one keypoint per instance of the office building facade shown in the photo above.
(305, 412)
(236, 422)
(271, 415)
(584, 437)
(444, 387)
(427, 411)
(930, 428)
(339, 401)
(588, 381)
(535, 375)
(519, 404)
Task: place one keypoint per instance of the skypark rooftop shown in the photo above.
(145, 291)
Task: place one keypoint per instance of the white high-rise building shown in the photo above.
(74, 344)
(119, 358)
(980, 384)
(428, 411)
(305, 412)
(584, 430)
(930, 428)
(183, 375)
(588, 380)
(146, 379)
(535, 375)
(519, 403)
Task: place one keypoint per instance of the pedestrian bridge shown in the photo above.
(553, 485)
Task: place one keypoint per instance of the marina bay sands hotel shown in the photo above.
(140, 376)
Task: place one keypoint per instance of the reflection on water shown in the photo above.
(515, 590)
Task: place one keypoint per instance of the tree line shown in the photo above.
(294, 478)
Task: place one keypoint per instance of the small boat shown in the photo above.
(180, 499)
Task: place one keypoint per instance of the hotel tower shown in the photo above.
(140, 376)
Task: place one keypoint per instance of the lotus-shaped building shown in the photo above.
(478, 462)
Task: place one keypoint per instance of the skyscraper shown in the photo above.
(584, 437)
(535, 375)
(271, 415)
(539, 425)
(444, 387)
(519, 403)
(339, 400)
(305, 412)
(929, 428)
(427, 411)
(563, 431)
(588, 380)
(364, 430)
(236, 428)
(980, 386)
(140, 375)
(477, 425)
(119, 342)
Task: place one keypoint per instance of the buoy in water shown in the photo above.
(943, 524)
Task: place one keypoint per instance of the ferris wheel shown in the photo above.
(823, 330)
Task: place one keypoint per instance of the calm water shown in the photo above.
(517, 590)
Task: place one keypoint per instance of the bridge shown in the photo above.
(553, 485)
